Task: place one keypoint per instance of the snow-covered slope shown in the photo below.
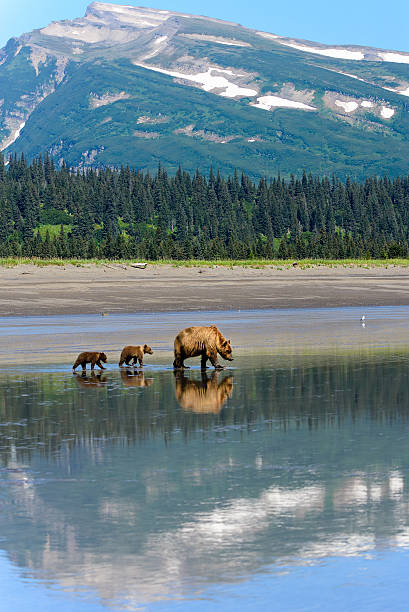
(262, 96)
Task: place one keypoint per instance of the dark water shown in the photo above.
(279, 484)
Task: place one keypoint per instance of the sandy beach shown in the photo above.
(52, 290)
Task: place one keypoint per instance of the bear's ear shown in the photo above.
(145, 346)
(213, 327)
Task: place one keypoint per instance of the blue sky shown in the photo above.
(376, 23)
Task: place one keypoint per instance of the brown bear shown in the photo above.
(204, 396)
(92, 357)
(135, 380)
(134, 352)
(204, 341)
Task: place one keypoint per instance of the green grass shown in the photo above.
(280, 264)
(53, 230)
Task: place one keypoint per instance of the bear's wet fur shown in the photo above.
(204, 341)
(92, 357)
(134, 353)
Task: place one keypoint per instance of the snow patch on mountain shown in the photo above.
(6, 143)
(398, 58)
(387, 112)
(351, 76)
(209, 81)
(159, 40)
(402, 92)
(340, 53)
(269, 102)
(217, 39)
(268, 35)
(157, 45)
(349, 107)
(366, 104)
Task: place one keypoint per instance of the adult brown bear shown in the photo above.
(92, 357)
(204, 341)
(134, 353)
(205, 396)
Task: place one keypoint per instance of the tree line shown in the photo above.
(124, 213)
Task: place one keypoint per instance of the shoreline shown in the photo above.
(29, 290)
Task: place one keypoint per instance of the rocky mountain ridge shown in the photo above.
(133, 85)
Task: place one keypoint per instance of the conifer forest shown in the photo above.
(51, 212)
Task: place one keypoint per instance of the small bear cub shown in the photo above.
(134, 353)
(92, 357)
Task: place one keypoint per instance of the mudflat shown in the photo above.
(56, 290)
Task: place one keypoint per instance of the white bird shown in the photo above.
(362, 318)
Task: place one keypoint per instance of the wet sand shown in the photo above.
(29, 290)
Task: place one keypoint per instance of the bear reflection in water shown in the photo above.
(93, 380)
(205, 396)
(133, 378)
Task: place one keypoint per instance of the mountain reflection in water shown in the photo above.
(145, 493)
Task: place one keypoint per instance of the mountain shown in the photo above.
(126, 85)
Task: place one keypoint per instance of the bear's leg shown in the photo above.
(178, 362)
(84, 366)
(99, 364)
(213, 360)
(179, 365)
(93, 362)
(121, 361)
(140, 359)
(203, 361)
(128, 360)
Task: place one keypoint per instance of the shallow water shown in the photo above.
(280, 483)
(59, 339)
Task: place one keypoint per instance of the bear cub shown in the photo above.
(92, 357)
(134, 353)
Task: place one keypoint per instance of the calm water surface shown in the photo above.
(279, 484)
